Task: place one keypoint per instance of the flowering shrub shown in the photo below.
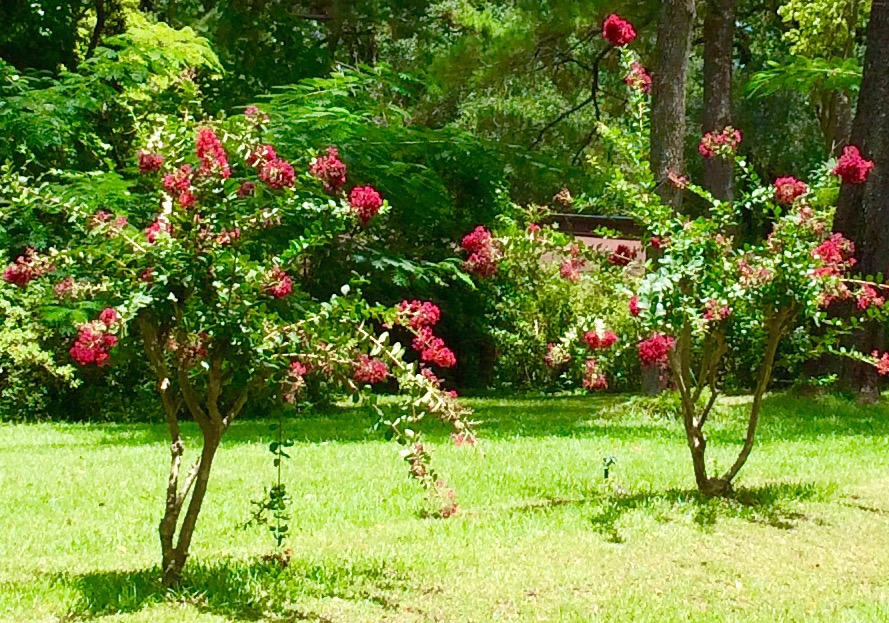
(703, 298)
(555, 308)
(199, 277)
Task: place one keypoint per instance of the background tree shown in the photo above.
(719, 35)
(668, 90)
(863, 211)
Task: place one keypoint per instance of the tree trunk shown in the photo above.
(719, 32)
(835, 120)
(863, 210)
(691, 388)
(668, 88)
(174, 556)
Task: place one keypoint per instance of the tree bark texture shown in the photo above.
(213, 418)
(669, 80)
(863, 209)
(719, 32)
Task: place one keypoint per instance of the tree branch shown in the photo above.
(98, 28)
(592, 99)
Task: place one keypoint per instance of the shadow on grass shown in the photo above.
(250, 590)
(767, 505)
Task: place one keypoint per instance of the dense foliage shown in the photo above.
(706, 302)
(206, 278)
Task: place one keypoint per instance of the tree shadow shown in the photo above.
(766, 505)
(267, 589)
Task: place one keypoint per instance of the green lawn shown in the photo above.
(540, 536)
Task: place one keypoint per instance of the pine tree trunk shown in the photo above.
(863, 210)
(668, 95)
(719, 32)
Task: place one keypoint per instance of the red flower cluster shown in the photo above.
(635, 308)
(789, 189)
(592, 379)
(278, 283)
(432, 349)
(570, 268)
(533, 228)
(753, 276)
(27, 268)
(714, 310)
(836, 252)
(639, 78)
(160, 226)
(417, 314)
(178, 184)
(149, 163)
(852, 168)
(95, 340)
(623, 255)
(365, 202)
(277, 174)
(273, 170)
(654, 350)
(330, 170)
(600, 340)
(868, 296)
(618, 31)
(294, 382)
(211, 153)
(679, 181)
(723, 144)
(109, 317)
(370, 370)
(881, 362)
(260, 156)
(194, 347)
(556, 355)
(484, 255)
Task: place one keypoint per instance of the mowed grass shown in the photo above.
(540, 535)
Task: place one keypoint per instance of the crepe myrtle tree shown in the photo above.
(201, 277)
(704, 298)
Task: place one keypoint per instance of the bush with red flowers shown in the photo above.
(200, 278)
(552, 304)
(706, 304)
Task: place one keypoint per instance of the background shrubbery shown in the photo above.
(454, 109)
